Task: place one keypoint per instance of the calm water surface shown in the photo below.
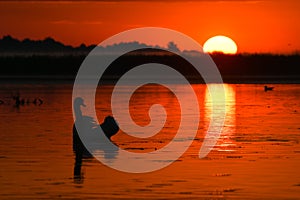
(257, 156)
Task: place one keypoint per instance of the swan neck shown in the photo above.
(78, 113)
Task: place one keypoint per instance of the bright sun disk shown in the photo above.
(221, 44)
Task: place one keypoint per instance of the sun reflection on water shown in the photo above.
(225, 142)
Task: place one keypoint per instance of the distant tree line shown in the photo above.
(12, 46)
(51, 58)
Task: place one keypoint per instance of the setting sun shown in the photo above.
(220, 44)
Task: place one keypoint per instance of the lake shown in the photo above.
(256, 157)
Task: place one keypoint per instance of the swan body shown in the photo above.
(109, 127)
(89, 126)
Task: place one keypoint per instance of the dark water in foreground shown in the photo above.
(257, 156)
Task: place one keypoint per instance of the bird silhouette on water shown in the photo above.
(38, 101)
(18, 101)
(21, 102)
(266, 88)
(109, 128)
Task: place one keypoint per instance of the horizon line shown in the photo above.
(296, 51)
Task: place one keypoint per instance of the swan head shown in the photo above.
(79, 102)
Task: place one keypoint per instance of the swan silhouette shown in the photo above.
(109, 128)
(268, 88)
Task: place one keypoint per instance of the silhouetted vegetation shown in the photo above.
(252, 67)
(40, 65)
(55, 59)
(12, 46)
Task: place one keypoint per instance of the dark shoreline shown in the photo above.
(252, 68)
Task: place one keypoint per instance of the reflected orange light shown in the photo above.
(230, 120)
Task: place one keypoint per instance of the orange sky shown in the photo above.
(256, 26)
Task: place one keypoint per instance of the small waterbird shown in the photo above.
(268, 88)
